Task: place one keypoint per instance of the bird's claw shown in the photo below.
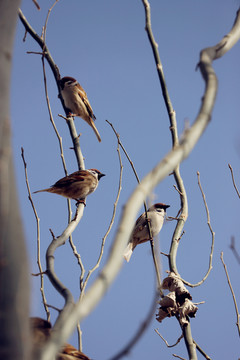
(80, 202)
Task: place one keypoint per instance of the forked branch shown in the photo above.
(233, 295)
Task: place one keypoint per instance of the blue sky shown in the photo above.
(105, 47)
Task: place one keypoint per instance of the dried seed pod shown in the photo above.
(187, 309)
(168, 306)
(161, 315)
(169, 300)
(173, 283)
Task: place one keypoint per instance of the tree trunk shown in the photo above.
(14, 281)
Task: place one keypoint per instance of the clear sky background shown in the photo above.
(103, 45)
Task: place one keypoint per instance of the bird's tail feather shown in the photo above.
(95, 130)
(97, 133)
(128, 252)
(44, 190)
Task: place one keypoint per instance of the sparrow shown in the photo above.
(41, 332)
(69, 352)
(76, 101)
(77, 185)
(140, 234)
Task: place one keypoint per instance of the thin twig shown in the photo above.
(57, 76)
(199, 302)
(233, 295)
(179, 357)
(79, 333)
(46, 92)
(36, 52)
(80, 263)
(181, 235)
(169, 346)
(37, 5)
(213, 237)
(162, 253)
(146, 215)
(46, 21)
(175, 187)
(233, 180)
(41, 272)
(40, 42)
(79, 260)
(124, 150)
(140, 331)
(54, 308)
(52, 120)
(109, 227)
(234, 250)
(202, 352)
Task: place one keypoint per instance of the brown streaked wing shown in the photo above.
(74, 177)
(84, 98)
(140, 223)
(72, 351)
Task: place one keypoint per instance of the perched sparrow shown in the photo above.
(76, 101)
(140, 234)
(69, 352)
(41, 331)
(77, 185)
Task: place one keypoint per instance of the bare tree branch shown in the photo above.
(56, 73)
(213, 238)
(56, 242)
(191, 347)
(140, 331)
(52, 120)
(179, 357)
(234, 250)
(169, 346)
(46, 21)
(109, 227)
(154, 255)
(41, 273)
(202, 352)
(37, 5)
(233, 180)
(41, 43)
(233, 295)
